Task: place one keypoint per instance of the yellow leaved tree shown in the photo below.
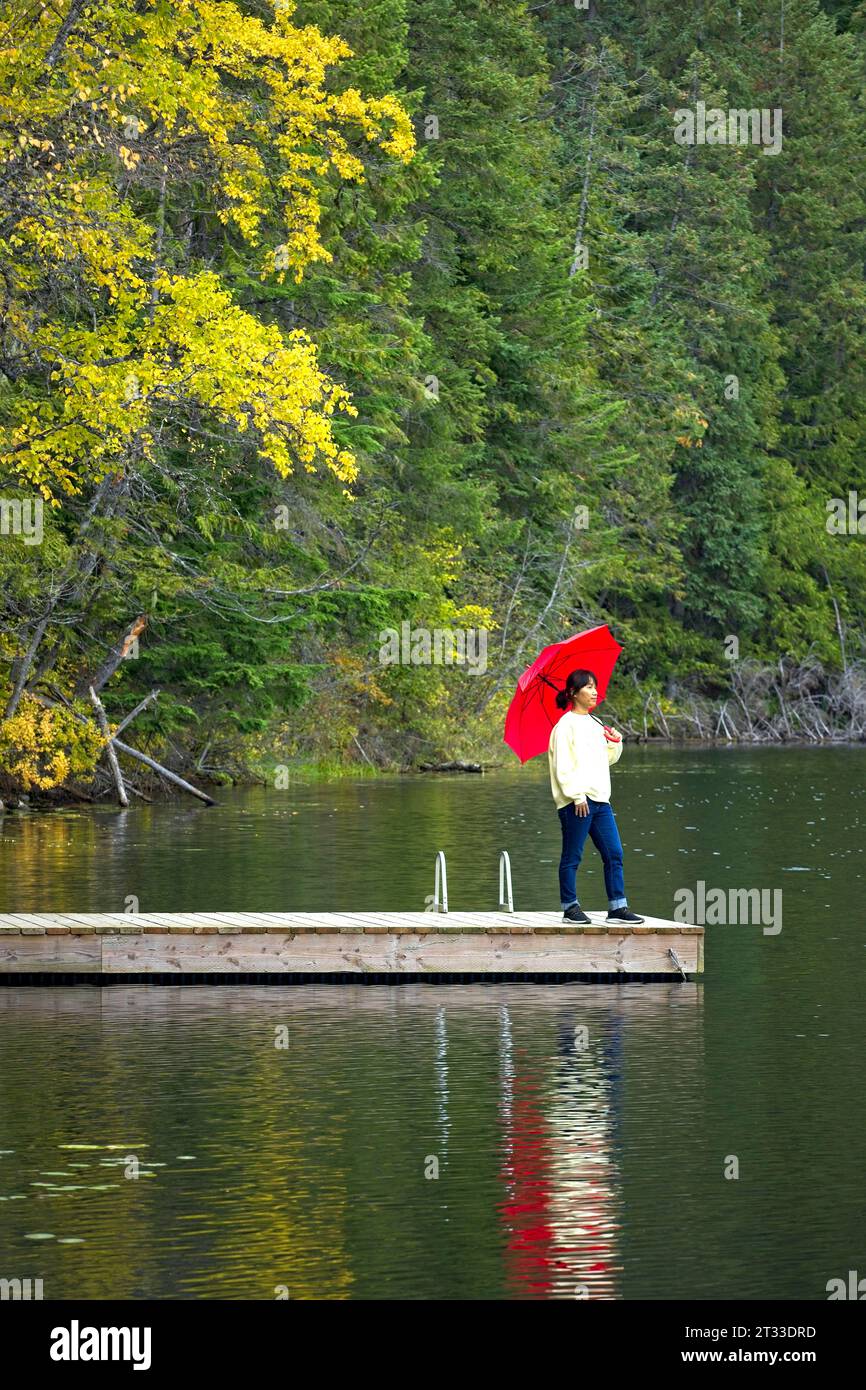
(105, 114)
(164, 166)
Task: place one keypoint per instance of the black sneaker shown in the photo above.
(576, 914)
(622, 914)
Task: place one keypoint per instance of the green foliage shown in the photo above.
(552, 305)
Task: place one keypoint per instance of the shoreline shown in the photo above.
(16, 802)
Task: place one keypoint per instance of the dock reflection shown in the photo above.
(311, 1162)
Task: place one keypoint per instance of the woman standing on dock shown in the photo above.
(580, 754)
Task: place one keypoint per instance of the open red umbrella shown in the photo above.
(533, 711)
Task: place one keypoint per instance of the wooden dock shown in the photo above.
(300, 947)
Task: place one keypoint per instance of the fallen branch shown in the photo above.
(662, 720)
(110, 754)
(134, 753)
(133, 713)
(163, 771)
(363, 754)
(136, 792)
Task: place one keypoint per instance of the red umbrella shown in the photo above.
(533, 711)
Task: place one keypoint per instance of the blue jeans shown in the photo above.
(600, 824)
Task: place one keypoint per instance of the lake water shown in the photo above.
(424, 1141)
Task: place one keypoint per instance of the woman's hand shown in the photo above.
(581, 808)
(611, 735)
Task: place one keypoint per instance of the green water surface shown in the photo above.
(424, 1141)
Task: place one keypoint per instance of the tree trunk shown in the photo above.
(109, 748)
(117, 654)
(63, 33)
(84, 562)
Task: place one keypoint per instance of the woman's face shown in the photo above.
(587, 697)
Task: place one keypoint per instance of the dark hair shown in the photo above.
(576, 681)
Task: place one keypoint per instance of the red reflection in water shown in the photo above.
(559, 1214)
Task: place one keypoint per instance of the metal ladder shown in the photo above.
(440, 884)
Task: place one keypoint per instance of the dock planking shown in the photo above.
(185, 946)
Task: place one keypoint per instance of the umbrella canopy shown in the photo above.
(533, 711)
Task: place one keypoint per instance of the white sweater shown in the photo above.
(580, 759)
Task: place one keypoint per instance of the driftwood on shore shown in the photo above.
(450, 767)
(782, 702)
